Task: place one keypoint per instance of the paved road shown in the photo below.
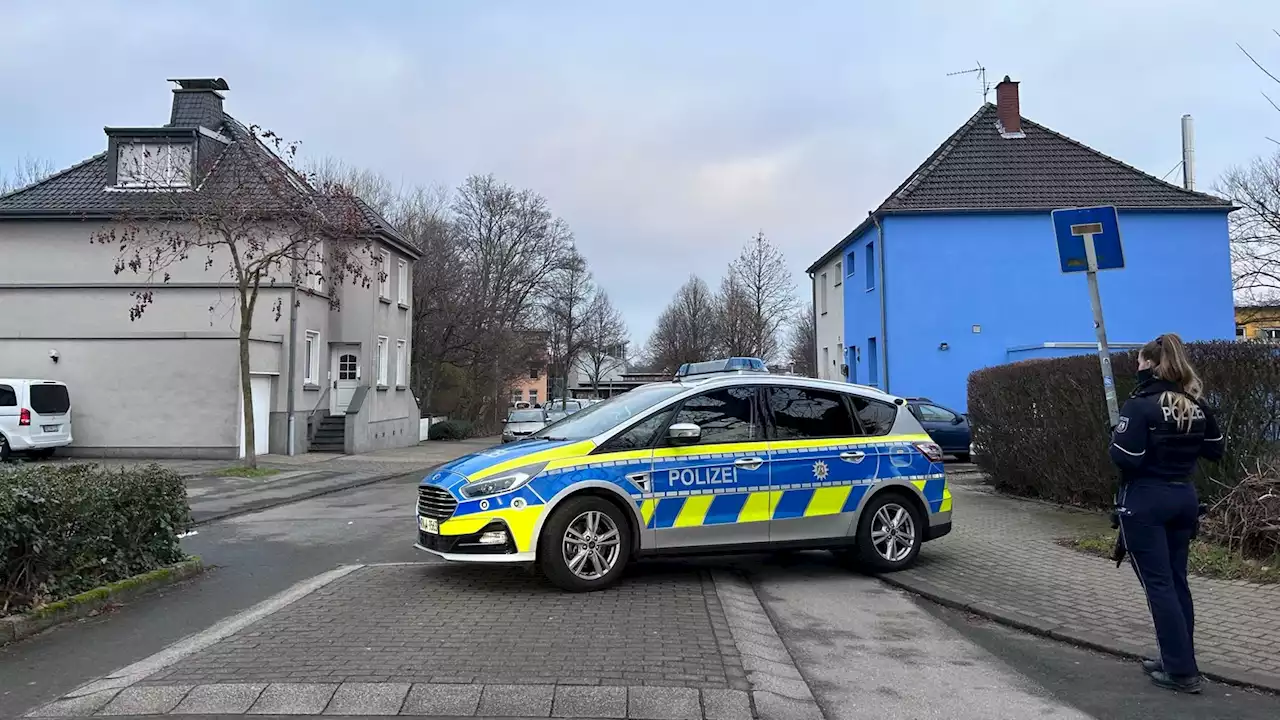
(816, 633)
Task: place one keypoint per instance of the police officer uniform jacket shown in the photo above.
(1148, 442)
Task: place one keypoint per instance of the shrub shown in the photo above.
(450, 430)
(1043, 431)
(65, 529)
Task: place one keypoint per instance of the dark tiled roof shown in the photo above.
(245, 168)
(977, 169)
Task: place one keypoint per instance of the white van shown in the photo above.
(35, 417)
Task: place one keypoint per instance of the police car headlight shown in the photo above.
(505, 482)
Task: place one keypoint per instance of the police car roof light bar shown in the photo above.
(727, 365)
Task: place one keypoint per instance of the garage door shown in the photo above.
(261, 387)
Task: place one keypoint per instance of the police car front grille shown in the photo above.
(435, 502)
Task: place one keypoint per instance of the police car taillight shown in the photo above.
(930, 450)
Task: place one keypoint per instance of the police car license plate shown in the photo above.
(430, 525)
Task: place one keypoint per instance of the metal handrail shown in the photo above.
(312, 426)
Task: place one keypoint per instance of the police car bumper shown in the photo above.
(491, 544)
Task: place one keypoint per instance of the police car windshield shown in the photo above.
(600, 417)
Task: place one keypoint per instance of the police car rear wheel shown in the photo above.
(889, 534)
(585, 545)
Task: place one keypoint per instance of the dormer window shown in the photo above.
(153, 164)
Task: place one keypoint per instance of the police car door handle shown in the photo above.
(752, 463)
(852, 455)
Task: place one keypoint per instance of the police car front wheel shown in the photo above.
(890, 533)
(585, 545)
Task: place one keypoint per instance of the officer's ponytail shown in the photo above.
(1169, 355)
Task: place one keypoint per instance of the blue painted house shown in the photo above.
(957, 270)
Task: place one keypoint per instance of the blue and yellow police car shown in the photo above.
(726, 457)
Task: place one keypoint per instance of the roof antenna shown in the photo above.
(982, 78)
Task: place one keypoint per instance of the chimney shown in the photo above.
(1008, 113)
(197, 102)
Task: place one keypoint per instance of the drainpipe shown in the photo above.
(293, 363)
(813, 294)
(884, 323)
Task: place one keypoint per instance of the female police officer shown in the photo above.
(1164, 428)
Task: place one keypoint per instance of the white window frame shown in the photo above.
(160, 153)
(533, 396)
(312, 348)
(1269, 333)
(380, 358)
(839, 273)
(402, 362)
(384, 275)
(402, 282)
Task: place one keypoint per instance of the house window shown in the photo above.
(402, 282)
(1270, 333)
(873, 363)
(840, 357)
(849, 266)
(384, 275)
(315, 267)
(839, 273)
(381, 359)
(1240, 332)
(312, 347)
(533, 396)
(826, 363)
(153, 164)
(402, 362)
(517, 396)
(822, 293)
(871, 266)
(534, 372)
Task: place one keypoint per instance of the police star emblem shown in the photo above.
(820, 470)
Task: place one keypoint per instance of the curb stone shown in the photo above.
(1054, 631)
(85, 604)
(778, 690)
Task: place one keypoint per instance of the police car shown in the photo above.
(725, 457)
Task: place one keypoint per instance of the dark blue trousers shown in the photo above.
(1158, 519)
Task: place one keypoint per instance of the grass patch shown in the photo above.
(245, 472)
(1207, 559)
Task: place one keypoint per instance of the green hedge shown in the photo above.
(65, 529)
(450, 430)
(1042, 428)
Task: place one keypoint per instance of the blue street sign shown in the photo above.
(1071, 226)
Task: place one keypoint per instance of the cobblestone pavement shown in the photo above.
(1001, 560)
(429, 639)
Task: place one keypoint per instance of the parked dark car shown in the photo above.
(948, 428)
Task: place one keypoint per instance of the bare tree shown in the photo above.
(365, 184)
(604, 341)
(252, 218)
(686, 329)
(26, 171)
(735, 319)
(1255, 230)
(802, 344)
(768, 296)
(569, 290)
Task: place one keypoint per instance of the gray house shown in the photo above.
(167, 383)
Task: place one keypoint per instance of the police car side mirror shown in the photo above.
(684, 434)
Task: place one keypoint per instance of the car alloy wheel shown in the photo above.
(591, 545)
(893, 532)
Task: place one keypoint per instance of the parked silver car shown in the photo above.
(522, 423)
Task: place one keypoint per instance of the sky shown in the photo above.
(666, 133)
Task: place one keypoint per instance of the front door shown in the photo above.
(346, 377)
(819, 461)
(717, 491)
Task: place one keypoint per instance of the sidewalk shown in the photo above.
(301, 477)
(1001, 561)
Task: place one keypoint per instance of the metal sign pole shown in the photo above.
(1104, 351)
